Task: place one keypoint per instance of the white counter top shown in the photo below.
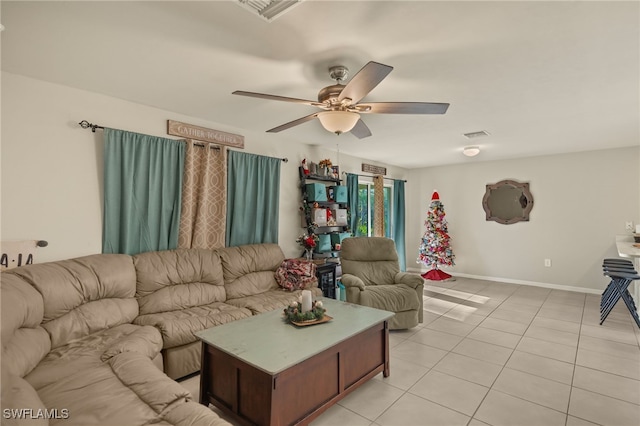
(624, 244)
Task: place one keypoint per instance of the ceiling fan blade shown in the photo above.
(293, 123)
(277, 98)
(364, 81)
(360, 130)
(403, 108)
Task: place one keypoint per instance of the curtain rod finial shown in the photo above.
(86, 125)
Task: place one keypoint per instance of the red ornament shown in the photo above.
(310, 242)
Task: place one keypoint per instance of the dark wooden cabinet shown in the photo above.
(326, 274)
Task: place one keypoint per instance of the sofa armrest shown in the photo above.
(352, 281)
(19, 395)
(153, 387)
(417, 283)
(411, 280)
(146, 340)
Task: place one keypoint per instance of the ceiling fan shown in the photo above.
(341, 103)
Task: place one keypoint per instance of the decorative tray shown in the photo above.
(325, 318)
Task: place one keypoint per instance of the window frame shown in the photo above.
(370, 210)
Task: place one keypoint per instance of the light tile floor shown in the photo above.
(502, 354)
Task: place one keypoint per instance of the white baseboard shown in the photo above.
(514, 281)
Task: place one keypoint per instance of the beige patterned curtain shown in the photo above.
(378, 206)
(204, 196)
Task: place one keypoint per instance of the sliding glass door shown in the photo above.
(366, 216)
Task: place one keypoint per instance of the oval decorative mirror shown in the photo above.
(507, 202)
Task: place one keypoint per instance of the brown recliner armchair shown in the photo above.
(371, 275)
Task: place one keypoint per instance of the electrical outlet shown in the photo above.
(547, 263)
(628, 226)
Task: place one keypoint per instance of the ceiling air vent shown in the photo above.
(268, 9)
(473, 135)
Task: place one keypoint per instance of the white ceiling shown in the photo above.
(540, 77)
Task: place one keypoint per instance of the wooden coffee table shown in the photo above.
(264, 371)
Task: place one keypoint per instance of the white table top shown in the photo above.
(269, 343)
(624, 244)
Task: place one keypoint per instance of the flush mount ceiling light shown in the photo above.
(268, 9)
(471, 151)
(338, 122)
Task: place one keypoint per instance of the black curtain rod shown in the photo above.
(284, 160)
(204, 145)
(371, 176)
(86, 125)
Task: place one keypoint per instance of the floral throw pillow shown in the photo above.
(295, 274)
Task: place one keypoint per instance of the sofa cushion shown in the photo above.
(392, 297)
(373, 259)
(126, 390)
(193, 414)
(19, 395)
(27, 348)
(91, 351)
(177, 327)
(178, 279)
(91, 317)
(24, 341)
(270, 300)
(22, 305)
(97, 397)
(83, 295)
(372, 273)
(249, 269)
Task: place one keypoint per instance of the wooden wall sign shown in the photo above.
(376, 170)
(190, 131)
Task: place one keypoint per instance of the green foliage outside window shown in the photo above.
(366, 216)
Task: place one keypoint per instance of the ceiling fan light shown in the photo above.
(338, 121)
(471, 151)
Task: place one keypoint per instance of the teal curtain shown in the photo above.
(352, 199)
(253, 197)
(399, 222)
(142, 192)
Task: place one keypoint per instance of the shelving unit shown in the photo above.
(328, 272)
(308, 203)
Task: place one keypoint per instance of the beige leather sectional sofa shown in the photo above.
(96, 340)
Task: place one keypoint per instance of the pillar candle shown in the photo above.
(306, 300)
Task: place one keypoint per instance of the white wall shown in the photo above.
(52, 183)
(581, 201)
(52, 168)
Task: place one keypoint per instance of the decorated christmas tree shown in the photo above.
(434, 250)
